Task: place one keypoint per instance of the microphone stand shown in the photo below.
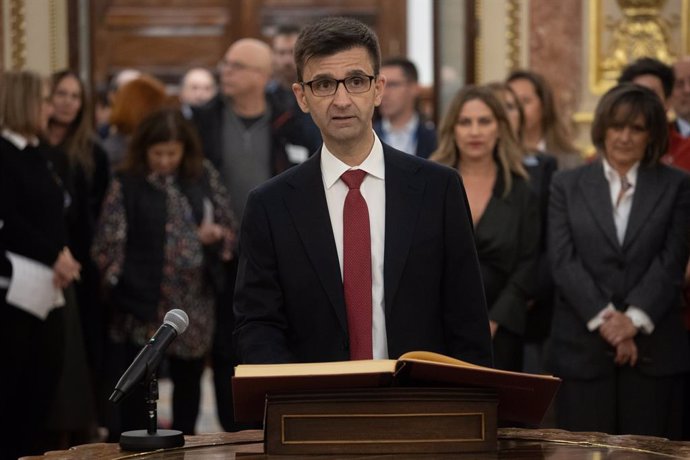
(152, 438)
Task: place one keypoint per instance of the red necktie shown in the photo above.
(357, 266)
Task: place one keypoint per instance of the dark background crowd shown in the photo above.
(135, 201)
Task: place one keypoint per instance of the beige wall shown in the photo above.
(35, 35)
(503, 29)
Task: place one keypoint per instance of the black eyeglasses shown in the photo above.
(355, 84)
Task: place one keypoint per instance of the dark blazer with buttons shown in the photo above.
(289, 302)
(591, 268)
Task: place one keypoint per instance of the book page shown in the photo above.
(326, 368)
(435, 358)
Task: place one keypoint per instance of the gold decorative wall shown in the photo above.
(625, 30)
(34, 35)
(17, 34)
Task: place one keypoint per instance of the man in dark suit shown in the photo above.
(312, 284)
(401, 125)
(618, 241)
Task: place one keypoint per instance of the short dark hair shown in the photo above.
(408, 68)
(164, 126)
(621, 105)
(650, 66)
(332, 35)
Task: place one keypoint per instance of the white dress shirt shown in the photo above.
(374, 192)
(403, 139)
(621, 215)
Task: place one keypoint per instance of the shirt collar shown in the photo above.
(18, 140)
(407, 129)
(612, 175)
(683, 127)
(332, 168)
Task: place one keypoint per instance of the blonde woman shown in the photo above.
(475, 137)
(32, 225)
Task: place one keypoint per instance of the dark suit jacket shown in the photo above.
(426, 137)
(592, 269)
(289, 303)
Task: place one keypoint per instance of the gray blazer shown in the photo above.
(591, 268)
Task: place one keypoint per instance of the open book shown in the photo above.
(522, 397)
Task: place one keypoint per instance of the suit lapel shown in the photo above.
(404, 193)
(648, 191)
(595, 189)
(306, 202)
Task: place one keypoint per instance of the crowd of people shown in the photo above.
(491, 239)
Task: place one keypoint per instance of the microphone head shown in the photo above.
(177, 319)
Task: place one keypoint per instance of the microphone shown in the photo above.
(148, 359)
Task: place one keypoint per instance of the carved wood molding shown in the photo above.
(513, 35)
(17, 34)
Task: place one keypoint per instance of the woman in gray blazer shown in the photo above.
(618, 241)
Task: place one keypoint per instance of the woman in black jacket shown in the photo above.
(32, 225)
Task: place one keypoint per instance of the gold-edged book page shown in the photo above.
(430, 357)
(375, 366)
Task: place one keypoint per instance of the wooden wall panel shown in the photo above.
(165, 37)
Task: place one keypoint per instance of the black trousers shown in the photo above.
(31, 368)
(224, 356)
(628, 402)
(186, 378)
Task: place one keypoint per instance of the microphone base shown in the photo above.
(141, 440)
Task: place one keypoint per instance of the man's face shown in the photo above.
(680, 99)
(243, 70)
(344, 117)
(198, 87)
(283, 58)
(400, 94)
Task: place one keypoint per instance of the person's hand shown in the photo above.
(209, 233)
(65, 269)
(493, 327)
(617, 327)
(626, 353)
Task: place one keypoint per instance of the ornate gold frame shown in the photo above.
(597, 85)
(513, 16)
(17, 31)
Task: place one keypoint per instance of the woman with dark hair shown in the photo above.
(475, 137)
(165, 229)
(618, 243)
(32, 225)
(70, 129)
(544, 129)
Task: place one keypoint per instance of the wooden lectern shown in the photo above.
(420, 403)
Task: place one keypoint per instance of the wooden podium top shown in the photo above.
(512, 443)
